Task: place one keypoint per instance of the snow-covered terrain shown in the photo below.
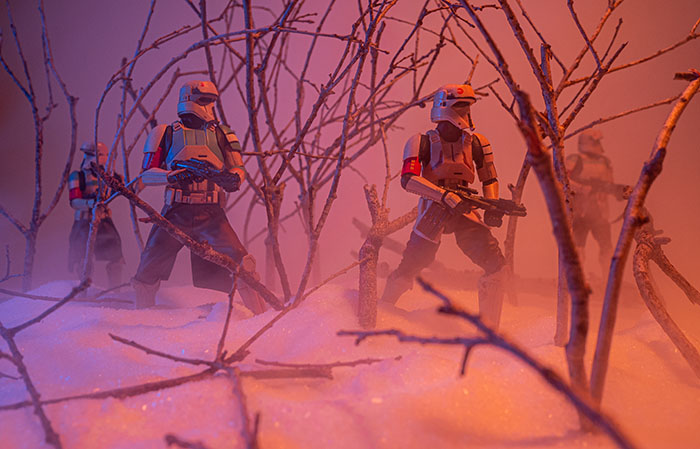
(414, 398)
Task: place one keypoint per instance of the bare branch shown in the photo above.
(539, 34)
(96, 299)
(122, 393)
(51, 437)
(692, 36)
(352, 363)
(249, 430)
(20, 227)
(633, 219)
(620, 115)
(612, 6)
(164, 355)
(224, 331)
(541, 163)
(493, 338)
(570, 4)
(646, 247)
(76, 290)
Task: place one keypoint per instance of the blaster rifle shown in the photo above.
(501, 205)
(202, 170)
(433, 220)
(611, 188)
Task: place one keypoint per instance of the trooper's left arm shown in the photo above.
(486, 170)
(620, 192)
(233, 162)
(485, 167)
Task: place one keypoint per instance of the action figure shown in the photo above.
(82, 185)
(439, 166)
(196, 159)
(591, 176)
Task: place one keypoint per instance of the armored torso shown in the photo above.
(450, 163)
(88, 184)
(199, 144)
(594, 169)
(191, 143)
(83, 185)
(590, 175)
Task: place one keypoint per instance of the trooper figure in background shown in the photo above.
(450, 157)
(591, 176)
(82, 192)
(192, 203)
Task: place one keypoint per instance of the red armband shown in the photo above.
(153, 160)
(411, 165)
(75, 193)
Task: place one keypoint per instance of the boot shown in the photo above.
(114, 273)
(251, 298)
(396, 285)
(491, 292)
(145, 293)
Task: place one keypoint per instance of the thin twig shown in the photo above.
(75, 291)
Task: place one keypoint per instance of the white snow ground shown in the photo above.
(417, 401)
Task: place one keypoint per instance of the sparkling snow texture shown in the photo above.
(415, 398)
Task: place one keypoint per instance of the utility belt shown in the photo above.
(179, 196)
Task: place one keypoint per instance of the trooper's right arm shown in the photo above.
(411, 179)
(153, 172)
(75, 193)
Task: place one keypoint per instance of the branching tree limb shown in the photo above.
(541, 163)
(30, 231)
(633, 219)
(649, 249)
(15, 357)
(51, 436)
(490, 337)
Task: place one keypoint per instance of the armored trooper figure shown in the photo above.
(591, 176)
(193, 201)
(435, 164)
(82, 185)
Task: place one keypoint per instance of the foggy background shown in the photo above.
(89, 38)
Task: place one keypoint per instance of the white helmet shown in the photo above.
(197, 98)
(90, 154)
(589, 142)
(451, 104)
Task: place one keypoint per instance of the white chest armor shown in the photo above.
(450, 162)
(595, 169)
(199, 144)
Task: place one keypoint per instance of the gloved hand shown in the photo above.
(623, 193)
(451, 200)
(228, 181)
(493, 218)
(181, 177)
